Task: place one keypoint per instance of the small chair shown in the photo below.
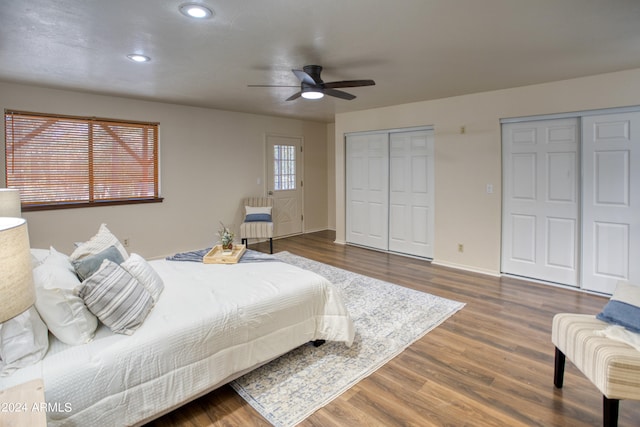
(261, 228)
(612, 366)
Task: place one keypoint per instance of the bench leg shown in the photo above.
(558, 374)
(610, 409)
(270, 245)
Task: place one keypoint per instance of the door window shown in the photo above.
(284, 167)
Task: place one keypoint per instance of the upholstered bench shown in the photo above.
(613, 366)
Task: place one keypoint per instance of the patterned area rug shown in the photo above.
(387, 318)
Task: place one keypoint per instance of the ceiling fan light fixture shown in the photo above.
(195, 10)
(312, 94)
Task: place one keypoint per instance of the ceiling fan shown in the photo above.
(312, 86)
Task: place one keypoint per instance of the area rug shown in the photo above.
(387, 319)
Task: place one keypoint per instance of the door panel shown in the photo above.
(284, 183)
(562, 177)
(611, 251)
(523, 238)
(540, 203)
(561, 238)
(411, 195)
(611, 196)
(367, 190)
(523, 176)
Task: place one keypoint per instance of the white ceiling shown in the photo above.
(414, 49)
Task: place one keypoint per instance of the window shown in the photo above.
(62, 161)
(284, 167)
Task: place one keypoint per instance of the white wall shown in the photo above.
(466, 163)
(210, 160)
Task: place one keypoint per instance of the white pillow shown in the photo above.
(101, 241)
(139, 268)
(24, 340)
(57, 302)
(38, 256)
(258, 210)
(116, 298)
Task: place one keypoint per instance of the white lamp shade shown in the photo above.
(17, 292)
(10, 203)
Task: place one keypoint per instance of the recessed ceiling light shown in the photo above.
(135, 57)
(195, 10)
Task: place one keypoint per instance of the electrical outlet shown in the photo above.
(460, 247)
(125, 242)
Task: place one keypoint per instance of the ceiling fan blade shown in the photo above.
(294, 96)
(303, 76)
(271, 86)
(349, 83)
(339, 94)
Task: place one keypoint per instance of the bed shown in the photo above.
(211, 324)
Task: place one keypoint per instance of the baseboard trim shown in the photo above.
(467, 268)
(314, 230)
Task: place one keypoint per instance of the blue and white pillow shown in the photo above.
(623, 308)
(258, 214)
(89, 264)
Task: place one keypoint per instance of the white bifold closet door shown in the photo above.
(389, 191)
(611, 200)
(540, 200)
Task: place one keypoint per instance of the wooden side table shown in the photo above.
(23, 405)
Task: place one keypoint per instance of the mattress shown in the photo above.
(212, 323)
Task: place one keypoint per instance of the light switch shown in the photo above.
(489, 188)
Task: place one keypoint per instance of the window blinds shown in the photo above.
(57, 161)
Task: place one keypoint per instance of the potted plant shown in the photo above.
(226, 238)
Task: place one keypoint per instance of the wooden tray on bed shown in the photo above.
(215, 255)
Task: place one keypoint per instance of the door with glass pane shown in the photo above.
(284, 183)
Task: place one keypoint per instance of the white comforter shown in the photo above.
(211, 324)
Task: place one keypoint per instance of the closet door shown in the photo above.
(611, 198)
(367, 192)
(411, 193)
(540, 200)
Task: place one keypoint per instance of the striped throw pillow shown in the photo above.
(116, 298)
(139, 268)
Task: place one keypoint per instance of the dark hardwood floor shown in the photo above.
(491, 364)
